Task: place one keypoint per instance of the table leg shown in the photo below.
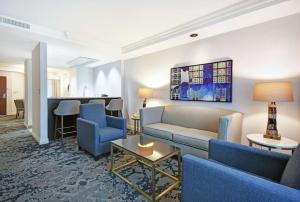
(250, 144)
(153, 183)
(111, 157)
(134, 126)
(179, 166)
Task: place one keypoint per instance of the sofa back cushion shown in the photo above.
(203, 118)
(95, 113)
(291, 173)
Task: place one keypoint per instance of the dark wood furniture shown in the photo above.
(20, 108)
(3, 95)
(53, 103)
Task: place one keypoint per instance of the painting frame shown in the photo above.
(213, 80)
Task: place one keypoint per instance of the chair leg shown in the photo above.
(55, 128)
(62, 130)
(121, 113)
(96, 158)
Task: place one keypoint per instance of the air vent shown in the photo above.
(81, 61)
(15, 23)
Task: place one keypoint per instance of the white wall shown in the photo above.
(64, 76)
(39, 94)
(28, 93)
(268, 51)
(15, 89)
(81, 82)
(107, 79)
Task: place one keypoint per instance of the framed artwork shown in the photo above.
(211, 82)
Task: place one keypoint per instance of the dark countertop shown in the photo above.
(72, 98)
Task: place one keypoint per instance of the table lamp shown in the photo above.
(145, 93)
(273, 92)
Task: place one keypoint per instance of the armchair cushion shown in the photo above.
(109, 134)
(291, 173)
(263, 163)
(95, 113)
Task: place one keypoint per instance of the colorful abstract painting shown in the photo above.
(210, 82)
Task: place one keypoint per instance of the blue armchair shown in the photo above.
(238, 173)
(95, 130)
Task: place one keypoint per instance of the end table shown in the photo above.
(136, 123)
(283, 144)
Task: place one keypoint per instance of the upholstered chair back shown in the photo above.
(67, 107)
(94, 112)
(115, 105)
(97, 101)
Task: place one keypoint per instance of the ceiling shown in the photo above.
(98, 28)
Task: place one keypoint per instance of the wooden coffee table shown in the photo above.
(149, 153)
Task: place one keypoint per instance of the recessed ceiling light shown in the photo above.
(193, 35)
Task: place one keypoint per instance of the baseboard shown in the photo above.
(27, 126)
(38, 139)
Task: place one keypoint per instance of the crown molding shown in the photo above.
(232, 11)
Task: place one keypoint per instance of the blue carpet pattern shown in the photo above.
(32, 172)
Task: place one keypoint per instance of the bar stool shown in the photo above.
(97, 101)
(115, 105)
(65, 108)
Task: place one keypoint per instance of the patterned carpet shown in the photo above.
(10, 123)
(30, 172)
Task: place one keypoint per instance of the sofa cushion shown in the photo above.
(162, 130)
(291, 174)
(109, 134)
(202, 118)
(194, 137)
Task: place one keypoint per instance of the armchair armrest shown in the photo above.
(151, 115)
(117, 122)
(260, 162)
(208, 181)
(87, 135)
(230, 127)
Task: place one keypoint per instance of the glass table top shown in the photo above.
(149, 149)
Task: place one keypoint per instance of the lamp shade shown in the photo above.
(145, 92)
(273, 91)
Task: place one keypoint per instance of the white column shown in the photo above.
(28, 93)
(39, 94)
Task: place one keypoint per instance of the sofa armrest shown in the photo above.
(117, 122)
(208, 181)
(230, 127)
(87, 135)
(260, 162)
(151, 115)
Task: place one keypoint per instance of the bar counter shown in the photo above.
(53, 103)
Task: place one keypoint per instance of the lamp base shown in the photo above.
(272, 131)
(270, 136)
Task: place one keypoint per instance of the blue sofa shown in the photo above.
(95, 130)
(238, 173)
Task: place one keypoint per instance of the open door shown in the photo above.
(3, 95)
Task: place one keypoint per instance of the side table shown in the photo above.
(283, 144)
(136, 123)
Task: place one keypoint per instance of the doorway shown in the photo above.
(3, 95)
